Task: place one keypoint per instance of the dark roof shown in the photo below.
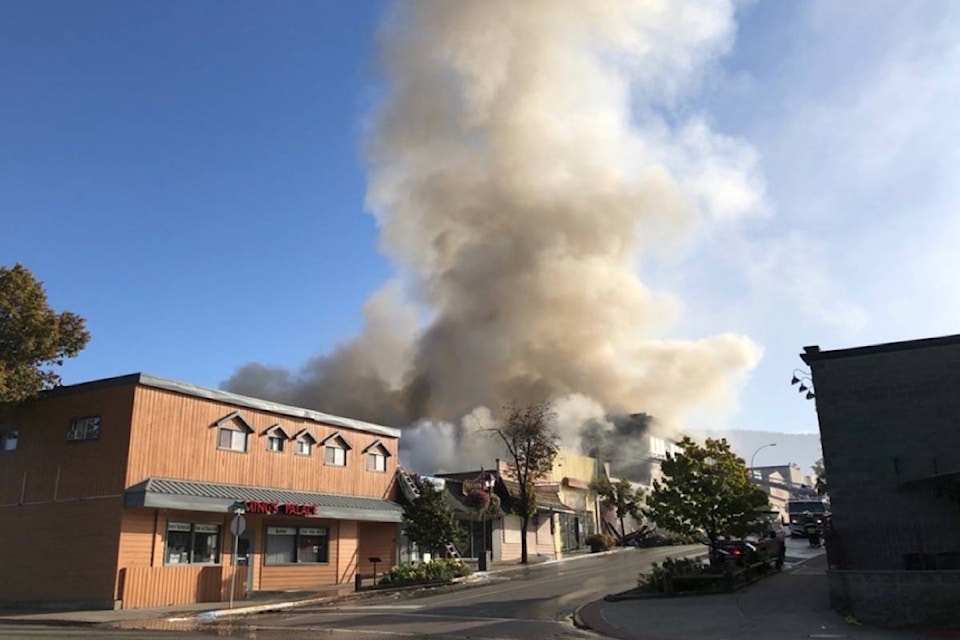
(213, 496)
(814, 354)
(547, 499)
(226, 397)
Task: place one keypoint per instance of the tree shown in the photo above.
(706, 490)
(33, 337)
(821, 485)
(531, 446)
(620, 496)
(427, 520)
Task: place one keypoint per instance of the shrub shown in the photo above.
(602, 541)
(433, 571)
(656, 580)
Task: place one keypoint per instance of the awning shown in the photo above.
(166, 493)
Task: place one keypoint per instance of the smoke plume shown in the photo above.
(526, 161)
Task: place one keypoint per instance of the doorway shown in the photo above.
(245, 555)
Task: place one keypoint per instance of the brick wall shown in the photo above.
(889, 423)
(925, 599)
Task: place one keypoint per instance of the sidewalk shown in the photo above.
(258, 604)
(793, 604)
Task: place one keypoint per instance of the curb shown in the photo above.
(250, 609)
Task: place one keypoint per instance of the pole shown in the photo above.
(233, 577)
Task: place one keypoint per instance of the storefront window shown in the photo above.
(291, 545)
(189, 543)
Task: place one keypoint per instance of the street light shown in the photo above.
(772, 444)
(802, 378)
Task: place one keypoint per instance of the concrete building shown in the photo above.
(889, 417)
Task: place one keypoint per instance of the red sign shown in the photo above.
(281, 508)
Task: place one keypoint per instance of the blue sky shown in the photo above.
(189, 177)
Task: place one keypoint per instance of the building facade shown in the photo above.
(121, 493)
(889, 419)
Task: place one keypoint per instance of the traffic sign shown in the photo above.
(238, 525)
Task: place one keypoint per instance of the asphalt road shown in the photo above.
(534, 603)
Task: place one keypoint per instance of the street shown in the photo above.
(533, 602)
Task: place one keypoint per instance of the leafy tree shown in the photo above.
(620, 496)
(427, 520)
(531, 445)
(821, 485)
(33, 337)
(706, 489)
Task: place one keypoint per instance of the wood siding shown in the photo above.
(60, 552)
(173, 436)
(347, 551)
(167, 586)
(377, 540)
(45, 467)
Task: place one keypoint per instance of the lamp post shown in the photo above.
(486, 484)
(772, 444)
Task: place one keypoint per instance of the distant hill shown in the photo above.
(800, 448)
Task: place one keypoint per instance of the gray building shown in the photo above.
(890, 429)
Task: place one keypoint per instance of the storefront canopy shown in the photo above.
(166, 493)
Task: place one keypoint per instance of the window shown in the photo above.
(305, 442)
(275, 443)
(335, 455)
(377, 455)
(84, 429)
(9, 439)
(297, 545)
(376, 461)
(335, 450)
(192, 543)
(232, 440)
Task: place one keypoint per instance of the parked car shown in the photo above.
(771, 546)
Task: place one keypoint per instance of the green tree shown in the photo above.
(821, 485)
(621, 496)
(706, 490)
(531, 445)
(427, 520)
(33, 337)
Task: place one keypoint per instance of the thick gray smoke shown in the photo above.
(525, 162)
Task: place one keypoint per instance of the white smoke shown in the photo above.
(526, 160)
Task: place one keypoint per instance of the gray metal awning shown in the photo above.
(166, 493)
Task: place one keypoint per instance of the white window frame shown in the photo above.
(301, 443)
(338, 452)
(376, 461)
(275, 439)
(234, 432)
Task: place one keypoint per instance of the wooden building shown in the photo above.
(120, 493)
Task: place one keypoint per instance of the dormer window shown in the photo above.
(335, 450)
(276, 438)
(377, 455)
(233, 433)
(304, 443)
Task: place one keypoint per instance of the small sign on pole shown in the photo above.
(238, 525)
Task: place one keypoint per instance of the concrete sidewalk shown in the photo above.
(204, 611)
(793, 604)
